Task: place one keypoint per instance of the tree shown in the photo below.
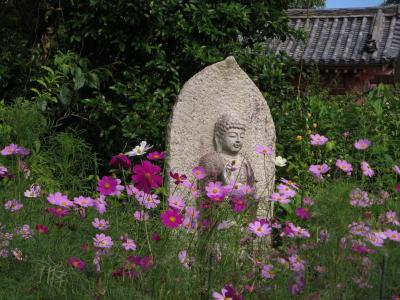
(307, 4)
(115, 67)
(389, 2)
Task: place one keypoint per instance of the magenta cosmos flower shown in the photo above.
(102, 241)
(120, 161)
(107, 185)
(42, 229)
(171, 218)
(303, 213)
(146, 176)
(318, 140)
(362, 144)
(156, 155)
(76, 263)
(58, 211)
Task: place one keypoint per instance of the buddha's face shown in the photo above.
(232, 140)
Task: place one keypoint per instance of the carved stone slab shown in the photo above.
(220, 88)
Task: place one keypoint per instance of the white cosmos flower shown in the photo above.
(280, 161)
(139, 150)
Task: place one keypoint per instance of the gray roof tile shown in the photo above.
(339, 36)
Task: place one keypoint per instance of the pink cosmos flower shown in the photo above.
(156, 155)
(3, 171)
(344, 166)
(192, 213)
(303, 213)
(9, 150)
(215, 191)
(360, 198)
(391, 218)
(199, 173)
(359, 229)
(147, 200)
(25, 231)
(107, 185)
(22, 151)
(260, 228)
(290, 183)
(277, 197)
(376, 238)
(42, 229)
(176, 202)
(171, 218)
(366, 169)
(76, 263)
(345, 134)
(13, 205)
(184, 259)
(267, 271)
(83, 201)
(189, 223)
(56, 198)
(128, 244)
(141, 215)
(286, 190)
(396, 169)
(318, 140)
(120, 161)
(308, 201)
(100, 224)
(100, 204)
(118, 189)
(392, 235)
(296, 263)
(146, 176)
(33, 192)
(293, 231)
(264, 150)
(131, 190)
(102, 241)
(397, 187)
(362, 144)
(318, 170)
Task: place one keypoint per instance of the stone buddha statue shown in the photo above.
(226, 164)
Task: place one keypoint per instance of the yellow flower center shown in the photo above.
(107, 185)
(172, 218)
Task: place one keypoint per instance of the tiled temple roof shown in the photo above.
(344, 36)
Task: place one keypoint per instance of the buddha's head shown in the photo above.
(229, 132)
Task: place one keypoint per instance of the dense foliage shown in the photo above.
(335, 235)
(114, 68)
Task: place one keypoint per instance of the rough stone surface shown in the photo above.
(220, 88)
